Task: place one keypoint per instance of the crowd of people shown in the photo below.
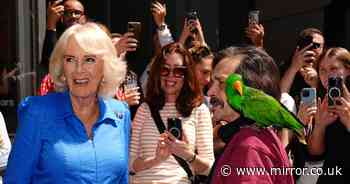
(95, 121)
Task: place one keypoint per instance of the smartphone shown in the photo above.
(253, 17)
(191, 17)
(135, 27)
(335, 89)
(308, 96)
(307, 40)
(175, 127)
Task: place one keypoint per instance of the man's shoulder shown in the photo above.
(255, 139)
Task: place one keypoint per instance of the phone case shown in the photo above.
(175, 127)
(253, 17)
(135, 27)
(308, 96)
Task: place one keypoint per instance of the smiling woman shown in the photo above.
(173, 92)
(75, 136)
(96, 48)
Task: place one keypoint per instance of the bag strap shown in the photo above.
(161, 128)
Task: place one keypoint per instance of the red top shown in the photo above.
(249, 157)
(46, 85)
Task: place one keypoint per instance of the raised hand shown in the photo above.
(324, 116)
(310, 76)
(159, 12)
(180, 148)
(125, 43)
(162, 151)
(255, 32)
(54, 13)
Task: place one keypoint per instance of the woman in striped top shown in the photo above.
(174, 91)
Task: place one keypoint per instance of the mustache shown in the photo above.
(215, 102)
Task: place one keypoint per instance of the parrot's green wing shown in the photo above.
(267, 111)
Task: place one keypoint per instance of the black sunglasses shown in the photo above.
(178, 71)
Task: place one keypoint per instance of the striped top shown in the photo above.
(145, 136)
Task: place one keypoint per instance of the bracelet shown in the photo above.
(192, 159)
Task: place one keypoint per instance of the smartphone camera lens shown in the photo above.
(334, 88)
(334, 92)
(306, 93)
(174, 125)
(175, 131)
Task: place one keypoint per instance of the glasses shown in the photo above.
(315, 45)
(178, 71)
(73, 13)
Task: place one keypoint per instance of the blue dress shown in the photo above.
(52, 146)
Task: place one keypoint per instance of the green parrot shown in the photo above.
(260, 107)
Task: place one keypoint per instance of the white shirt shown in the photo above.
(5, 143)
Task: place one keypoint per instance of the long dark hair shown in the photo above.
(190, 95)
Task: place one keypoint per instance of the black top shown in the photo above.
(49, 44)
(337, 155)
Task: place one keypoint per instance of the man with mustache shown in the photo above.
(247, 147)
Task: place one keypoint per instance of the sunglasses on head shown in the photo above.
(178, 71)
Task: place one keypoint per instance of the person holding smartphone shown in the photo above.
(255, 30)
(61, 14)
(192, 34)
(332, 123)
(301, 71)
(173, 91)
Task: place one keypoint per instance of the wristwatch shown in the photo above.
(162, 27)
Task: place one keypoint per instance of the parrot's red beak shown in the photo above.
(238, 87)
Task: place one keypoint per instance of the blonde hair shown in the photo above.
(339, 53)
(93, 40)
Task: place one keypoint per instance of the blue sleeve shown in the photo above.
(127, 127)
(26, 148)
(124, 178)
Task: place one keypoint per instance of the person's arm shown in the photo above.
(27, 145)
(288, 78)
(202, 158)
(54, 13)
(5, 143)
(165, 36)
(323, 118)
(163, 32)
(298, 61)
(204, 142)
(186, 32)
(255, 32)
(136, 162)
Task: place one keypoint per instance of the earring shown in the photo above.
(63, 78)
